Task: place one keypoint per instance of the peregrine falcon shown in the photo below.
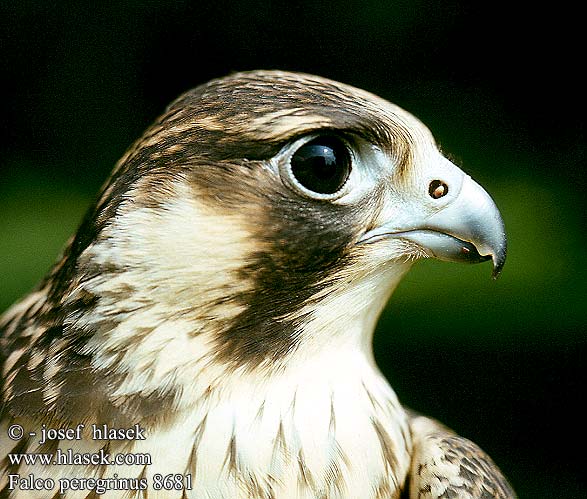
(207, 333)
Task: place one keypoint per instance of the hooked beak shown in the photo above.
(468, 229)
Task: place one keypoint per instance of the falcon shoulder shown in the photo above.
(448, 466)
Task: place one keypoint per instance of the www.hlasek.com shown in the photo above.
(37, 462)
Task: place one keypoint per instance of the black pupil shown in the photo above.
(322, 165)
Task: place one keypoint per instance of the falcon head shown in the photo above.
(264, 217)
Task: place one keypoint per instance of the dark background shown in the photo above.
(500, 362)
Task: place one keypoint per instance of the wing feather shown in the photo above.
(446, 466)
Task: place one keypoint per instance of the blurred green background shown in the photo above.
(500, 362)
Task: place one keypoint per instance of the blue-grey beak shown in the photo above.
(468, 229)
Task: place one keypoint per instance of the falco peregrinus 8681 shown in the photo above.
(221, 296)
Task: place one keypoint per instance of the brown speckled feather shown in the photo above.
(447, 466)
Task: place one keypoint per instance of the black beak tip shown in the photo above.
(498, 261)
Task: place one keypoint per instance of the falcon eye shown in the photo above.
(437, 189)
(322, 165)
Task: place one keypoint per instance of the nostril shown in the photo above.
(437, 189)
